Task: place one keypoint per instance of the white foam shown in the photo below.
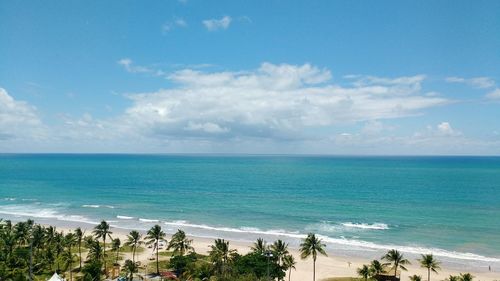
(9, 199)
(148, 220)
(124, 217)
(91, 206)
(43, 213)
(375, 226)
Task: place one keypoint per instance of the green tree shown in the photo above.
(415, 278)
(154, 236)
(289, 263)
(466, 277)
(279, 249)
(397, 259)
(101, 231)
(453, 278)
(70, 240)
(429, 262)
(79, 238)
(311, 246)
(364, 271)
(220, 255)
(134, 240)
(259, 247)
(130, 269)
(115, 246)
(376, 268)
(180, 243)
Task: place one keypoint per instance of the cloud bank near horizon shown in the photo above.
(276, 108)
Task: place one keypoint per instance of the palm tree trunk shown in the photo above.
(157, 264)
(133, 254)
(428, 274)
(104, 255)
(70, 270)
(290, 274)
(314, 269)
(80, 252)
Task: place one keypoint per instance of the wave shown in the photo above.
(42, 213)
(97, 206)
(9, 199)
(124, 217)
(148, 220)
(375, 226)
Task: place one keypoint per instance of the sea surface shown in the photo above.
(360, 206)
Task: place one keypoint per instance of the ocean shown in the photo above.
(360, 206)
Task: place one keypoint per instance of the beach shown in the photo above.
(326, 267)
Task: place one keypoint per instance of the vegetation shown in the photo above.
(311, 246)
(29, 251)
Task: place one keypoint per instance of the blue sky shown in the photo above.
(322, 77)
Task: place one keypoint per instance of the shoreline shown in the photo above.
(334, 265)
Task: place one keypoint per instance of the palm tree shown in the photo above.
(70, 240)
(376, 268)
(68, 257)
(259, 247)
(311, 246)
(279, 250)
(79, 237)
(364, 271)
(155, 235)
(130, 268)
(133, 240)
(415, 278)
(95, 250)
(102, 231)
(396, 258)
(180, 243)
(59, 246)
(453, 278)
(115, 246)
(289, 263)
(428, 261)
(466, 277)
(221, 254)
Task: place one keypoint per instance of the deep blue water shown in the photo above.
(360, 205)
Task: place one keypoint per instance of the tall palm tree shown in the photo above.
(115, 246)
(395, 257)
(101, 231)
(259, 247)
(429, 262)
(134, 240)
(279, 250)
(180, 243)
(221, 255)
(466, 277)
(415, 278)
(311, 246)
(376, 268)
(79, 237)
(130, 268)
(289, 263)
(70, 240)
(59, 246)
(364, 272)
(155, 235)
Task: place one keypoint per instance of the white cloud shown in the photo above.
(217, 24)
(18, 119)
(445, 129)
(274, 102)
(130, 67)
(176, 22)
(494, 95)
(476, 82)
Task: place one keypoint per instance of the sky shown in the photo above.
(250, 77)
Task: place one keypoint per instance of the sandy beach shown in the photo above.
(330, 266)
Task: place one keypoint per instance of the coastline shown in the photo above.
(333, 265)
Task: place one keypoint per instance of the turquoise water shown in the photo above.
(359, 205)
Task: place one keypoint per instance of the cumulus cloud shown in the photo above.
(129, 66)
(217, 24)
(279, 102)
(18, 119)
(476, 82)
(494, 95)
